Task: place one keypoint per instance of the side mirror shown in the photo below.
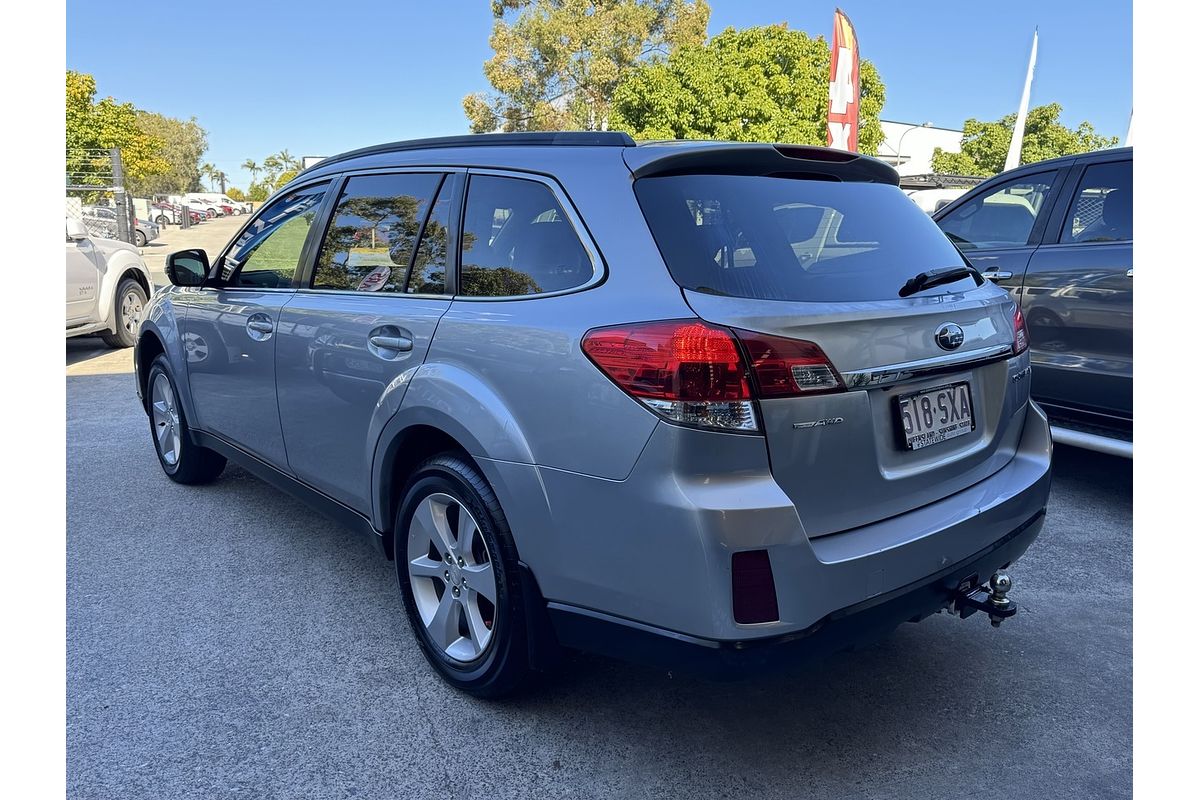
(75, 230)
(187, 267)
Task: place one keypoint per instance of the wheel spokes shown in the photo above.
(481, 579)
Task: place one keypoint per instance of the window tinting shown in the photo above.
(1102, 210)
(370, 241)
(517, 241)
(429, 266)
(268, 251)
(774, 238)
(1003, 217)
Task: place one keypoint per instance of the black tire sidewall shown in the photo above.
(119, 335)
(508, 637)
(157, 367)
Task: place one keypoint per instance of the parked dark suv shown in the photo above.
(689, 402)
(1059, 235)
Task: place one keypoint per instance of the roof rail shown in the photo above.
(523, 138)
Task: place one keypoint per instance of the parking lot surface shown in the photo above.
(211, 235)
(225, 641)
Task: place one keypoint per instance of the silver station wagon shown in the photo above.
(698, 404)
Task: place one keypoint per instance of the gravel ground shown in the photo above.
(226, 642)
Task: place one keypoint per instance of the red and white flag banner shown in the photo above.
(843, 85)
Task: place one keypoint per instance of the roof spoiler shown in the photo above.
(783, 160)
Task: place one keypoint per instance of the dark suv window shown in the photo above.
(774, 238)
(517, 241)
(1102, 210)
(370, 241)
(268, 251)
(1001, 217)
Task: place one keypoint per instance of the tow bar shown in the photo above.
(991, 599)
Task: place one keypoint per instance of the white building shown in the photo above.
(909, 146)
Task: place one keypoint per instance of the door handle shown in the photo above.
(997, 275)
(1129, 274)
(260, 325)
(400, 344)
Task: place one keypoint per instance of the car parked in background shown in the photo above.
(1058, 235)
(165, 213)
(108, 285)
(230, 206)
(695, 403)
(144, 230)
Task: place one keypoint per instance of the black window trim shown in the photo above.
(451, 176)
(1040, 223)
(331, 183)
(1054, 231)
(599, 267)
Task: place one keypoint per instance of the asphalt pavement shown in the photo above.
(225, 641)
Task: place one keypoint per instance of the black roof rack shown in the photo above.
(524, 138)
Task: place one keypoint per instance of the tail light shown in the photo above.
(694, 373)
(1020, 333)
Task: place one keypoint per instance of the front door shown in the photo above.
(83, 276)
(230, 330)
(997, 230)
(363, 318)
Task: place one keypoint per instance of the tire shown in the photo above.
(128, 305)
(490, 657)
(139, 239)
(182, 460)
(162, 220)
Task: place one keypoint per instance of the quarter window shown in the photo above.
(1102, 210)
(369, 244)
(267, 253)
(517, 240)
(1003, 217)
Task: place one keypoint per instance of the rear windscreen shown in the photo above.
(777, 238)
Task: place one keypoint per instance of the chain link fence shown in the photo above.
(96, 196)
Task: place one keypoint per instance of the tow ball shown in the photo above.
(991, 599)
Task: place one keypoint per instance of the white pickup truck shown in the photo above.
(108, 285)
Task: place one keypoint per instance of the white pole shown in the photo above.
(1014, 147)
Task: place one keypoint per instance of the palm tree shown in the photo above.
(251, 166)
(285, 158)
(208, 171)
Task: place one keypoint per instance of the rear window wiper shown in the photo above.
(937, 277)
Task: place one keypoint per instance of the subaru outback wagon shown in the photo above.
(690, 403)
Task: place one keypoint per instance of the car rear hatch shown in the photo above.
(908, 398)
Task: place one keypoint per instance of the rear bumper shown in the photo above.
(846, 628)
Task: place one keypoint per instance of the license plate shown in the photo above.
(935, 415)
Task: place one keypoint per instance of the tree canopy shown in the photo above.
(985, 144)
(558, 62)
(767, 84)
(183, 142)
(93, 128)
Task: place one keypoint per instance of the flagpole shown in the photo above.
(1014, 147)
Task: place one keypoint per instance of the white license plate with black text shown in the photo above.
(935, 415)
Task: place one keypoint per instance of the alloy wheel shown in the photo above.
(131, 312)
(450, 572)
(166, 419)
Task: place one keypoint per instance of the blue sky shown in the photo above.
(320, 78)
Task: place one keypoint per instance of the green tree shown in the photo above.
(236, 194)
(251, 166)
(183, 143)
(765, 84)
(558, 62)
(985, 144)
(94, 127)
(209, 172)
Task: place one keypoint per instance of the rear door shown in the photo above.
(824, 262)
(362, 319)
(229, 331)
(999, 227)
(83, 278)
(1078, 297)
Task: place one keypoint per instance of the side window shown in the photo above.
(429, 265)
(370, 241)
(1003, 217)
(518, 241)
(268, 251)
(1102, 210)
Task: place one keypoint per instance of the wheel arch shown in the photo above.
(149, 347)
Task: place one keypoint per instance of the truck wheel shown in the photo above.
(458, 573)
(127, 314)
(139, 239)
(182, 460)
(162, 220)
